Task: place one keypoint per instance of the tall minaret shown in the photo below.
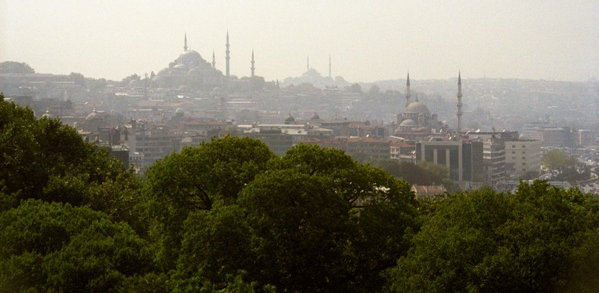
(308, 63)
(330, 66)
(459, 102)
(185, 43)
(253, 67)
(228, 57)
(408, 94)
(213, 60)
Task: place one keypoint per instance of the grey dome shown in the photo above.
(408, 122)
(417, 107)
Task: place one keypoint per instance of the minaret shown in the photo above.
(330, 66)
(228, 57)
(408, 94)
(308, 63)
(459, 102)
(253, 67)
(185, 43)
(213, 60)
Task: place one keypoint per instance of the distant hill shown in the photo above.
(15, 67)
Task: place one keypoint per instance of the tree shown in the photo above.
(568, 169)
(45, 159)
(216, 243)
(557, 160)
(300, 230)
(57, 247)
(423, 173)
(318, 205)
(374, 91)
(197, 179)
(354, 88)
(495, 242)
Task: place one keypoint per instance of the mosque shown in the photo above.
(416, 117)
(192, 71)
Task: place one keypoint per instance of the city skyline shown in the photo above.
(367, 41)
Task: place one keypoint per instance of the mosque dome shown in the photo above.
(417, 108)
(92, 115)
(315, 117)
(47, 114)
(179, 111)
(408, 123)
(189, 58)
(290, 120)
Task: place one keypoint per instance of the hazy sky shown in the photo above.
(367, 40)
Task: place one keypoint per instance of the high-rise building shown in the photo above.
(462, 158)
(494, 155)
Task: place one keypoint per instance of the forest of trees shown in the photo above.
(230, 216)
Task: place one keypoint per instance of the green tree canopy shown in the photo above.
(494, 242)
(197, 179)
(57, 247)
(557, 159)
(423, 173)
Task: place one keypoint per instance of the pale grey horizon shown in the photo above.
(367, 40)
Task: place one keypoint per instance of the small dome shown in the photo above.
(92, 115)
(315, 117)
(408, 122)
(179, 111)
(47, 114)
(290, 120)
(416, 107)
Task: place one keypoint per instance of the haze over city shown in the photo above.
(367, 40)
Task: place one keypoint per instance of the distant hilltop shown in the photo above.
(15, 67)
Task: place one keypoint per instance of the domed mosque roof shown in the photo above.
(92, 115)
(290, 120)
(408, 122)
(416, 107)
(189, 58)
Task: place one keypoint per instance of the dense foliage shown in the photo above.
(230, 216)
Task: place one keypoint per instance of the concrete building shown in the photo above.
(494, 155)
(378, 149)
(558, 137)
(462, 158)
(148, 143)
(281, 137)
(522, 156)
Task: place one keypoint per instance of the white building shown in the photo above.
(522, 156)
